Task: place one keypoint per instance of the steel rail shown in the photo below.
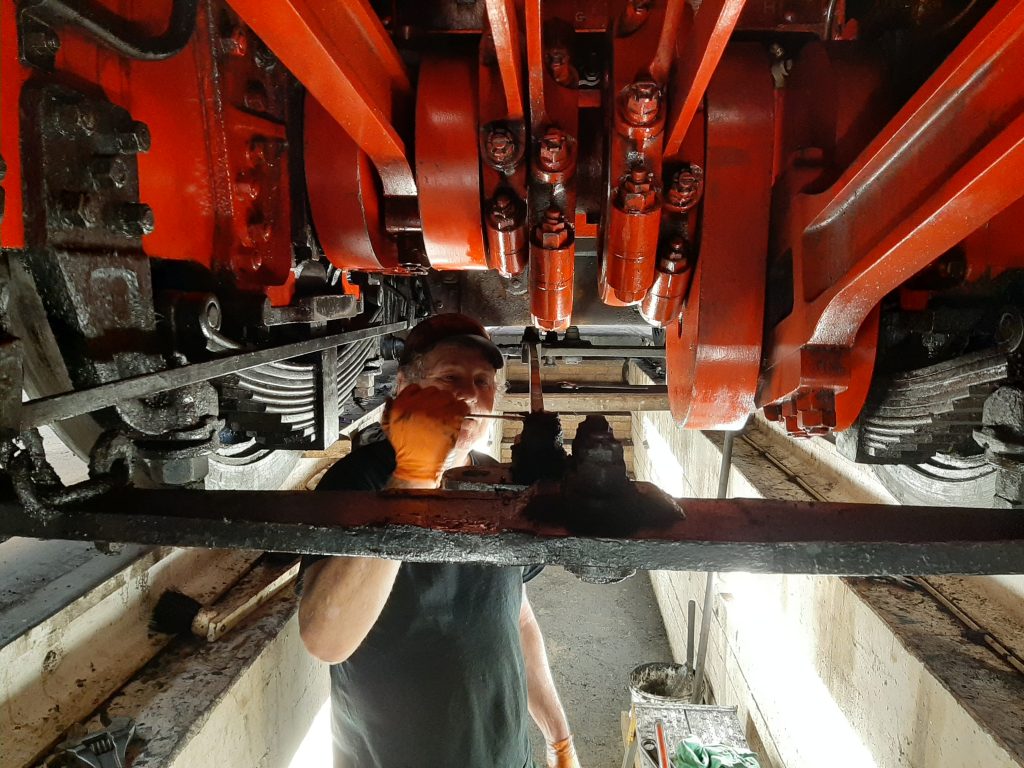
(46, 410)
(751, 535)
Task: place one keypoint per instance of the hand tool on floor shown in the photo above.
(177, 613)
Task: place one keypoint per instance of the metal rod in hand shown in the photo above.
(536, 387)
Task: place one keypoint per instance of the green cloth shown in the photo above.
(692, 754)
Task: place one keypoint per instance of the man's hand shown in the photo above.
(423, 425)
(562, 754)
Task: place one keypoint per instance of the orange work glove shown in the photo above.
(562, 754)
(423, 426)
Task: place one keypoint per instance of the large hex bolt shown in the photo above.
(664, 301)
(685, 189)
(131, 219)
(109, 172)
(553, 230)
(810, 413)
(506, 233)
(637, 191)
(553, 150)
(40, 45)
(643, 102)
(500, 146)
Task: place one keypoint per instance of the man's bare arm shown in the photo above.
(342, 598)
(545, 706)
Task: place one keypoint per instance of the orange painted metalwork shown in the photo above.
(554, 118)
(712, 27)
(501, 16)
(215, 201)
(665, 54)
(448, 163)
(944, 166)
(633, 206)
(664, 301)
(503, 143)
(714, 353)
(552, 253)
(344, 200)
(633, 236)
(342, 69)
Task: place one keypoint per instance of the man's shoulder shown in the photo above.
(367, 468)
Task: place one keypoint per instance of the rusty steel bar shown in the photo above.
(536, 383)
(712, 26)
(753, 535)
(48, 410)
(348, 74)
(501, 16)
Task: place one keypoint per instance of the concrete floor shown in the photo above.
(595, 635)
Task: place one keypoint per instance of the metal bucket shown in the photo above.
(660, 682)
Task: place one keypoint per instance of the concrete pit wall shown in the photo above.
(832, 671)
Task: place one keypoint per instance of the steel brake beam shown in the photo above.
(502, 528)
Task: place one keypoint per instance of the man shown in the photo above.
(434, 665)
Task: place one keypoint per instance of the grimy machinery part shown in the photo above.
(813, 208)
(504, 527)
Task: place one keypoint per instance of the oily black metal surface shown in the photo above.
(45, 410)
(751, 535)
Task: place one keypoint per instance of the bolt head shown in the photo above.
(553, 230)
(553, 152)
(637, 192)
(131, 219)
(500, 145)
(42, 42)
(685, 189)
(109, 172)
(643, 102)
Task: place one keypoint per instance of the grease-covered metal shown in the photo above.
(753, 535)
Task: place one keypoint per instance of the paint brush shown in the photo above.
(177, 613)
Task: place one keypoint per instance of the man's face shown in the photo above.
(467, 374)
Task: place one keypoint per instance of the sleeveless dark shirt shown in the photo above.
(439, 681)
